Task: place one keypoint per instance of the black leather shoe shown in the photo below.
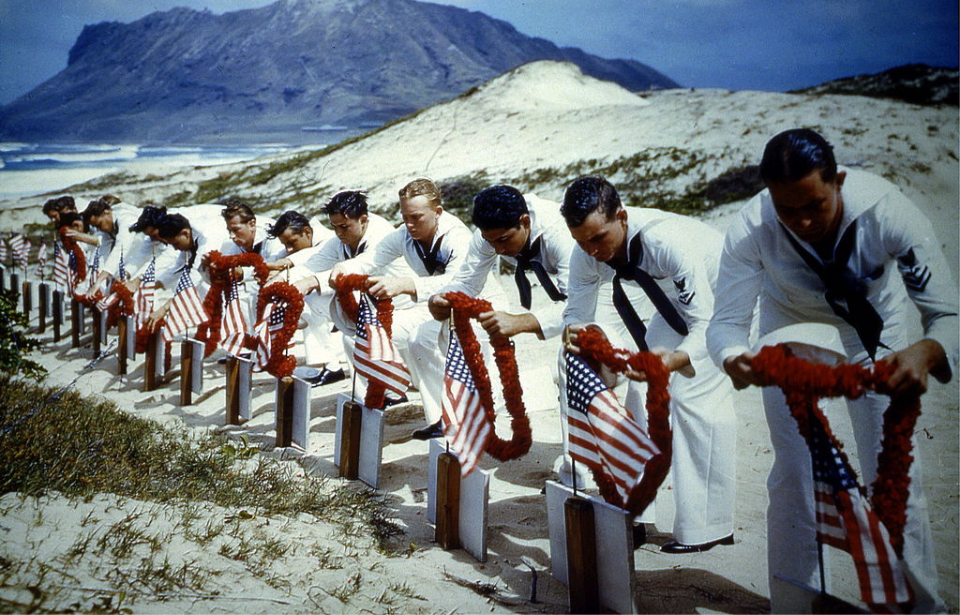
(326, 377)
(428, 433)
(676, 547)
(639, 535)
(393, 401)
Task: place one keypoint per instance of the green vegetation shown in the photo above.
(81, 447)
(14, 343)
(654, 177)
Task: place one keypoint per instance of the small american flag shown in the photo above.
(465, 421)
(233, 325)
(42, 256)
(3, 251)
(186, 309)
(602, 434)
(18, 246)
(143, 301)
(846, 521)
(375, 356)
(272, 321)
(63, 275)
(108, 301)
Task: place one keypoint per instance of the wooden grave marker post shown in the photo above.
(27, 298)
(76, 322)
(15, 285)
(293, 412)
(3, 277)
(370, 448)
(43, 306)
(239, 382)
(191, 370)
(99, 329)
(57, 314)
(458, 506)
(609, 552)
(153, 360)
(126, 338)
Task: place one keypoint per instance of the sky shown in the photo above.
(773, 45)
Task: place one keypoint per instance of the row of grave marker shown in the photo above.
(591, 542)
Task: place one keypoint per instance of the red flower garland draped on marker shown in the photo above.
(70, 244)
(594, 347)
(465, 308)
(281, 364)
(346, 285)
(221, 274)
(804, 383)
(124, 305)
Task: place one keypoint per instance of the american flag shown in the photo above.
(63, 275)
(186, 309)
(465, 421)
(602, 434)
(233, 326)
(846, 521)
(3, 251)
(375, 357)
(18, 247)
(143, 301)
(108, 301)
(271, 322)
(42, 256)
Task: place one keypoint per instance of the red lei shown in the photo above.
(465, 308)
(804, 383)
(281, 364)
(70, 244)
(594, 348)
(346, 285)
(221, 275)
(123, 306)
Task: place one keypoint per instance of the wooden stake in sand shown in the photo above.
(153, 361)
(15, 283)
(126, 337)
(293, 412)
(191, 370)
(239, 373)
(350, 424)
(457, 505)
(76, 322)
(27, 298)
(99, 329)
(369, 454)
(43, 306)
(448, 501)
(606, 550)
(57, 314)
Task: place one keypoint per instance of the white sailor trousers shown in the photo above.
(704, 461)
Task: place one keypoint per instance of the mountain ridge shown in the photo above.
(181, 75)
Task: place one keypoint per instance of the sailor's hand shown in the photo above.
(156, 316)
(388, 287)
(912, 367)
(502, 324)
(738, 367)
(439, 307)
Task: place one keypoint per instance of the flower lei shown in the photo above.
(124, 304)
(346, 285)
(595, 348)
(465, 308)
(804, 383)
(281, 364)
(143, 338)
(70, 244)
(221, 275)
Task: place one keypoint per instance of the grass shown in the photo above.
(81, 447)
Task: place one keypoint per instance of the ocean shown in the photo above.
(28, 169)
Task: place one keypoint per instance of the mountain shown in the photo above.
(185, 75)
(919, 84)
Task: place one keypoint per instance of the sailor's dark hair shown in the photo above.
(793, 154)
(498, 207)
(587, 195)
